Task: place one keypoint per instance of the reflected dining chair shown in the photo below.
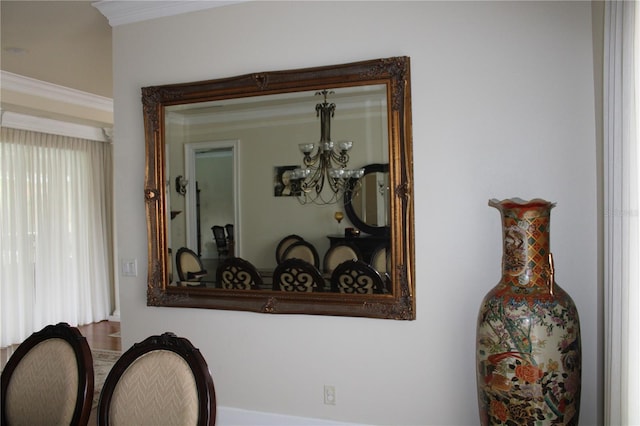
(296, 275)
(339, 253)
(163, 380)
(356, 277)
(221, 240)
(230, 238)
(238, 274)
(381, 262)
(229, 230)
(189, 267)
(49, 379)
(380, 259)
(302, 250)
(284, 244)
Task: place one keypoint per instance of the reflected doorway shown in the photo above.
(211, 168)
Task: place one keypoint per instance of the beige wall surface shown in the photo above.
(503, 106)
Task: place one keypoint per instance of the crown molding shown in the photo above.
(121, 12)
(30, 86)
(15, 120)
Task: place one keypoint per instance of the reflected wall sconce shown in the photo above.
(181, 185)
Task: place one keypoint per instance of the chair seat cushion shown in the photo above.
(195, 275)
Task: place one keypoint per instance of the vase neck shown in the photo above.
(525, 259)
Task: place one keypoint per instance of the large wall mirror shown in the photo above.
(235, 216)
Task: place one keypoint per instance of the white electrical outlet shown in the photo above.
(329, 395)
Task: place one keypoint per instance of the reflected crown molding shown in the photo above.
(272, 111)
(119, 12)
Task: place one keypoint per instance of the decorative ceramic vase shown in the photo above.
(528, 333)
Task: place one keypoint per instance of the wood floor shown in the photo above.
(100, 335)
(103, 335)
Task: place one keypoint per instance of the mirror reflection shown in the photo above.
(366, 200)
(283, 192)
(249, 179)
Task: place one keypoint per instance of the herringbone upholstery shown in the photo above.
(156, 389)
(44, 386)
(49, 379)
(162, 380)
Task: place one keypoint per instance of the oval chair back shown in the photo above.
(238, 274)
(356, 277)
(302, 250)
(297, 275)
(189, 267)
(163, 380)
(381, 262)
(284, 244)
(49, 379)
(380, 259)
(339, 253)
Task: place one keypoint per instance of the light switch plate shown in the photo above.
(129, 268)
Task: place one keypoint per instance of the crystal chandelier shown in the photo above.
(325, 162)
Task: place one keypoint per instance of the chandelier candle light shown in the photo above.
(324, 162)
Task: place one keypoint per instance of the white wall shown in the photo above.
(503, 105)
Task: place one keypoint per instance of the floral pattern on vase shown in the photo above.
(528, 347)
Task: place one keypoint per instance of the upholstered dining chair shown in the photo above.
(356, 277)
(297, 275)
(339, 253)
(236, 273)
(189, 267)
(381, 262)
(380, 259)
(163, 380)
(49, 379)
(284, 244)
(302, 250)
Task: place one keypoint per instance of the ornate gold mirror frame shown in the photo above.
(394, 74)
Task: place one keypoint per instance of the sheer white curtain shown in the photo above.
(622, 234)
(55, 220)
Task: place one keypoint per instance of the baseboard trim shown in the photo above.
(229, 416)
